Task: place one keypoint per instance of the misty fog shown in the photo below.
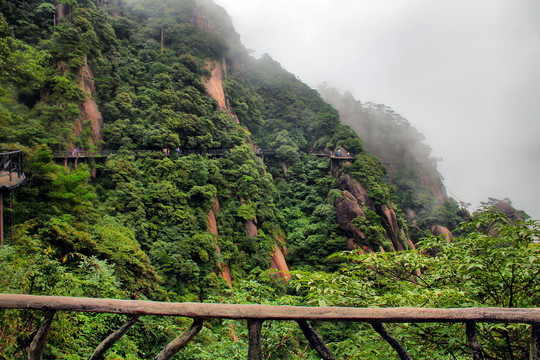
(465, 74)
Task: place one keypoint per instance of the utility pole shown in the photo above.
(162, 39)
(1, 218)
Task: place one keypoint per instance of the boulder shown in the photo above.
(347, 209)
(346, 182)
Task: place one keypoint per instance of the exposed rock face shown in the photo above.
(212, 225)
(214, 87)
(411, 214)
(361, 249)
(435, 185)
(214, 84)
(346, 182)
(409, 241)
(88, 108)
(201, 19)
(438, 230)
(389, 221)
(251, 229)
(505, 207)
(278, 263)
(347, 209)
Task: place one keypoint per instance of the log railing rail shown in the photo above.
(257, 314)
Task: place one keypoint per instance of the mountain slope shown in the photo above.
(218, 167)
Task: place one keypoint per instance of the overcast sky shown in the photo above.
(465, 73)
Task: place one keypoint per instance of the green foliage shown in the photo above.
(152, 226)
(495, 265)
(375, 233)
(369, 171)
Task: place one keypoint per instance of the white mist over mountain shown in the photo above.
(464, 73)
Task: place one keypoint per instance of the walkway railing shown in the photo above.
(181, 152)
(11, 169)
(257, 314)
(105, 153)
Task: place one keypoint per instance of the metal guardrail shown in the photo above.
(257, 314)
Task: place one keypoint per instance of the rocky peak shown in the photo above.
(348, 209)
(390, 224)
(346, 182)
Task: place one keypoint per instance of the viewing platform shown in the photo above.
(11, 169)
(11, 177)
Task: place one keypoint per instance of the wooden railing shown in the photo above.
(257, 314)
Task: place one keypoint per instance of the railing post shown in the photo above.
(315, 340)
(114, 337)
(254, 331)
(177, 344)
(535, 342)
(35, 351)
(403, 354)
(474, 344)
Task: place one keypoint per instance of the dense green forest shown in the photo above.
(186, 205)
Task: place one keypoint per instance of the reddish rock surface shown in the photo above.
(212, 226)
(214, 83)
(436, 186)
(212, 223)
(200, 19)
(389, 222)
(251, 229)
(346, 182)
(347, 209)
(278, 263)
(88, 108)
(438, 230)
(226, 273)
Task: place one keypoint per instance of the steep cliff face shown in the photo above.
(213, 228)
(214, 83)
(346, 182)
(390, 224)
(200, 18)
(434, 183)
(277, 262)
(349, 210)
(89, 108)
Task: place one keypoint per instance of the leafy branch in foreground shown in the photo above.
(495, 265)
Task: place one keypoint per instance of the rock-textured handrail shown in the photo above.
(257, 314)
(269, 312)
